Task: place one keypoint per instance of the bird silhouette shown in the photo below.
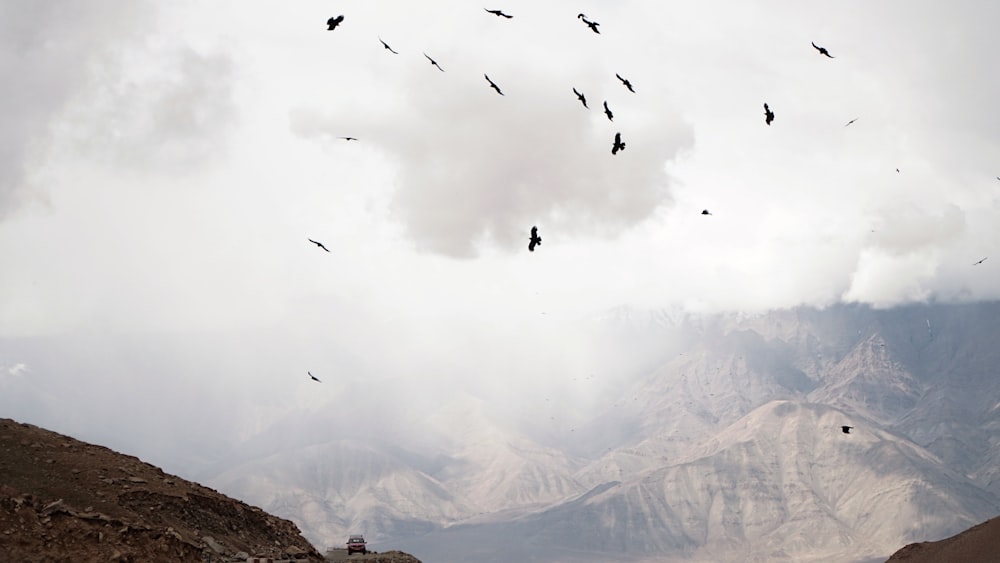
(768, 115)
(433, 62)
(313, 377)
(822, 50)
(850, 122)
(980, 262)
(607, 111)
(332, 23)
(348, 138)
(705, 212)
(386, 45)
(846, 429)
(319, 244)
(619, 145)
(581, 97)
(499, 13)
(535, 240)
(590, 24)
(625, 82)
(493, 85)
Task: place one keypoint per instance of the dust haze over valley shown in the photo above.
(649, 381)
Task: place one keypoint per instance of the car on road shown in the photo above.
(356, 544)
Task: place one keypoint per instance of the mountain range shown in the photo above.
(724, 443)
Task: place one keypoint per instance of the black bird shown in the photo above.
(619, 145)
(850, 122)
(980, 262)
(583, 99)
(590, 24)
(846, 429)
(493, 85)
(822, 50)
(319, 244)
(626, 83)
(386, 45)
(535, 240)
(607, 111)
(768, 115)
(313, 377)
(499, 13)
(433, 62)
(332, 23)
(348, 138)
(705, 212)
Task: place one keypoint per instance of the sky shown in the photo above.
(163, 165)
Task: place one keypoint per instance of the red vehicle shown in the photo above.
(356, 544)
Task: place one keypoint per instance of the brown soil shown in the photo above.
(66, 500)
(979, 544)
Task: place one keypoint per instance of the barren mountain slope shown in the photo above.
(62, 499)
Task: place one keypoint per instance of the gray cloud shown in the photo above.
(48, 53)
(473, 166)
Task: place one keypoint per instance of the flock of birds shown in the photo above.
(534, 240)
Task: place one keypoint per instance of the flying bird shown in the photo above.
(348, 138)
(313, 377)
(493, 85)
(386, 45)
(433, 62)
(499, 13)
(980, 262)
(625, 82)
(846, 429)
(768, 115)
(822, 50)
(583, 99)
(850, 122)
(590, 24)
(705, 212)
(535, 240)
(319, 244)
(332, 23)
(607, 111)
(619, 145)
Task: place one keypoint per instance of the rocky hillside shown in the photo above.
(979, 544)
(66, 500)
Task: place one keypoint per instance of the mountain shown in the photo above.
(979, 544)
(723, 443)
(66, 500)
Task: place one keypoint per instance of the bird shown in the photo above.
(499, 13)
(348, 138)
(980, 262)
(705, 212)
(332, 23)
(319, 244)
(619, 145)
(535, 240)
(625, 82)
(823, 51)
(313, 377)
(768, 115)
(493, 85)
(581, 97)
(850, 122)
(433, 62)
(386, 45)
(590, 24)
(846, 429)
(607, 111)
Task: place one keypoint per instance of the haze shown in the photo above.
(163, 165)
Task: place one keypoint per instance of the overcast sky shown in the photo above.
(162, 166)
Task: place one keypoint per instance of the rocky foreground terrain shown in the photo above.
(979, 544)
(66, 500)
